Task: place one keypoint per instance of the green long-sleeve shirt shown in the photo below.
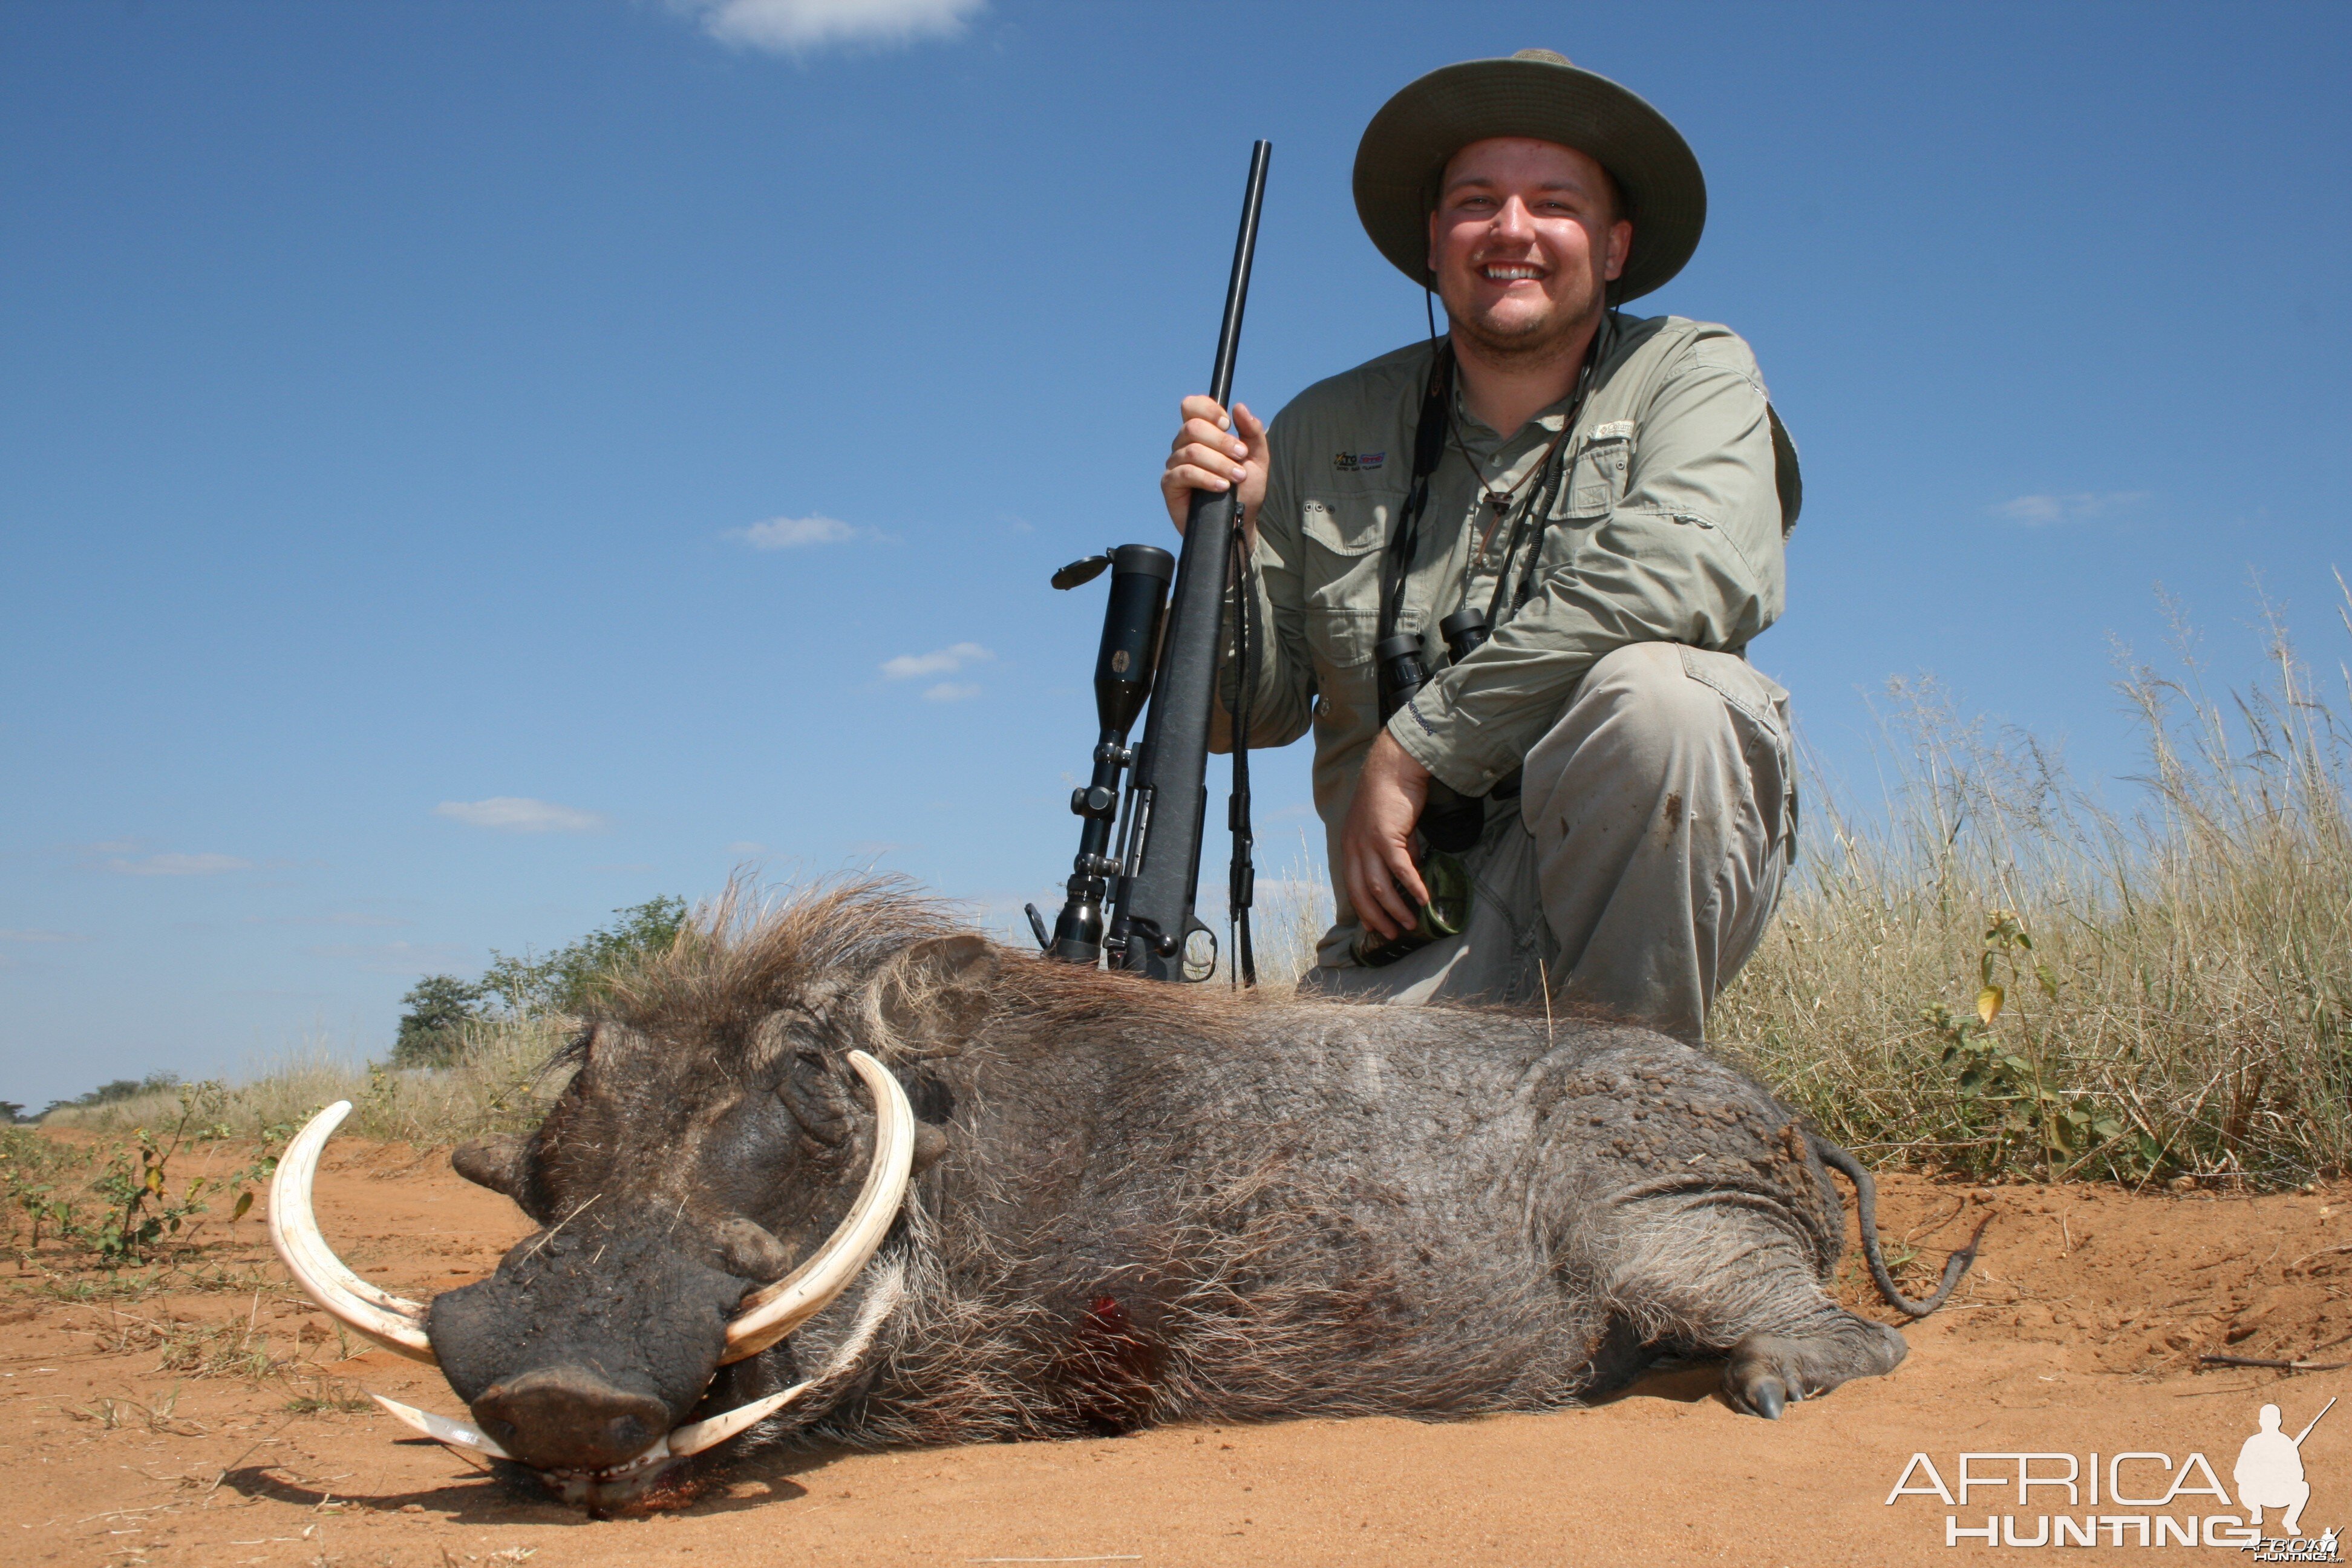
(1669, 528)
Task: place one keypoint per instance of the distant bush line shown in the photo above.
(1988, 973)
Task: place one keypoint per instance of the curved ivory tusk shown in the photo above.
(307, 1147)
(697, 1435)
(389, 1321)
(770, 1313)
(441, 1429)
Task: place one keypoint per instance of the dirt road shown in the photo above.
(2078, 1336)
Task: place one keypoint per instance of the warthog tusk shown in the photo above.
(304, 1225)
(441, 1429)
(770, 1313)
(686, 1440)
(392, 1321)
(696, 1436)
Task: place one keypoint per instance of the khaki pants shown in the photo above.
(1656, 822)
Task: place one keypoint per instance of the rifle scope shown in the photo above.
(1140, 575)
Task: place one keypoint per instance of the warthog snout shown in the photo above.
(568, 1418)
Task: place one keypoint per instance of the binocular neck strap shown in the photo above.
(1428, 447)
(1546, 496)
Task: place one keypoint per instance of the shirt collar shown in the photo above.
(1483, 439)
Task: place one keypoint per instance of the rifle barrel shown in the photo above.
(1157, 881)
(1229, 331)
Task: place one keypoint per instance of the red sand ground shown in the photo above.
(2079, 1333)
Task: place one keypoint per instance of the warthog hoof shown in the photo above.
(1769, 1372)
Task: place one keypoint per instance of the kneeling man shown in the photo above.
(1599, 792)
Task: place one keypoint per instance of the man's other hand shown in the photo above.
(1376, 844)
(1206, 455)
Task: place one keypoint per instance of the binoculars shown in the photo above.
(1450, 822)
(1446, 914)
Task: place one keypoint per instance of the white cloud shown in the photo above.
(520, 814)
(939, 661)
(180, 866)
(950, 691)
(793, 532)
(40, 936)
(2035, 510)
(796, 26)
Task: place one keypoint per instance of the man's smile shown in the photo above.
(1510, 271)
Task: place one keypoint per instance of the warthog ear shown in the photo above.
(493, 1162)
(931, 998)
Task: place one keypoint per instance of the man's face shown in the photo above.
(1523, 242)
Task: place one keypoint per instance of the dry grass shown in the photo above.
(2183, 1005)
(228, 1347)
(1288, 917)
(497, 1085)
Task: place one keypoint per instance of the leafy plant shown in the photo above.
(2008, 1084)
(139, 1210)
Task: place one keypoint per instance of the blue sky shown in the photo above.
(466, 467)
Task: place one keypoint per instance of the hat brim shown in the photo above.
(1405, 148)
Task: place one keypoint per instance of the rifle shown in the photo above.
(1151, 884)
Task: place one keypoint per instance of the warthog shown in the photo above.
(1030, 1200)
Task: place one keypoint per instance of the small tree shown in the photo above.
(433, 1028)
(568, 979)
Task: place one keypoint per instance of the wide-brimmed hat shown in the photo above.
(1534, 93)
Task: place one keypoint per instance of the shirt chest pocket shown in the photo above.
(1339, 568)
(1604, 466)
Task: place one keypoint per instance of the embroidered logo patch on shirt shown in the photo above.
(1359, 462)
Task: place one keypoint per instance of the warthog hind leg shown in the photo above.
(1735, 1275)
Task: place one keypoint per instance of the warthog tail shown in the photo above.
(1865, 1197)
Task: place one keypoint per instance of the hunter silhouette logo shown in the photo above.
(2136, 1497)
(2270, 1470)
